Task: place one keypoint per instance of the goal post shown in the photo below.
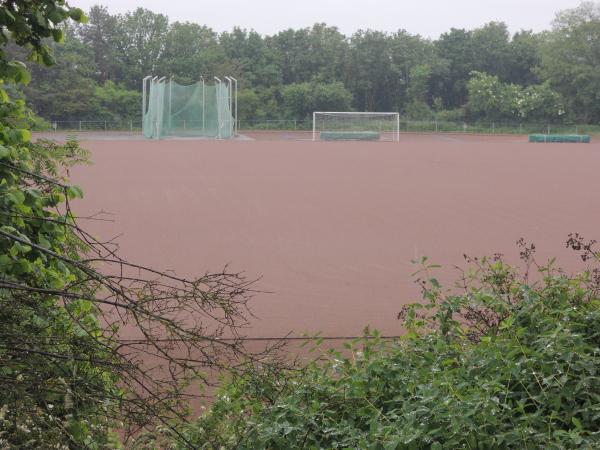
(356, 126)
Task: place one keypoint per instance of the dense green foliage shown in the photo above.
(490, 99)
(503, 362)
(292, 73)
(68, 378)
(44, 401)
(52, 394)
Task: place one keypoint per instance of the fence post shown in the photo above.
(105, 129)
(295, 125)
(493, 127)
(131, 126)
(184, 124)
(548, 130)
(520, 128)
(436, 126)
(576, 129)
(80, 125)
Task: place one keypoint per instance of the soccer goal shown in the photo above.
(356, 126)
(202, 109)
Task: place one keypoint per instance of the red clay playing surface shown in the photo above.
(332, 227)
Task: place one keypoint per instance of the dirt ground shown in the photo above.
(331, 227)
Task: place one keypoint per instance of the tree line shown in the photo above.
(485, 73)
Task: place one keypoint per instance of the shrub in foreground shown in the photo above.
(504, 363)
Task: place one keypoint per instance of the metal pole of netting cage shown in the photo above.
(161, 107)
(398, 127)
(314, 126)
(230, 93)
(153, 123)
(144, 93)
(236, 106)
(202, 78)
(227, 98)
(218, 88)
(230, 117)
(170, 103)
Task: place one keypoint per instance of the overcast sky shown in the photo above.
(428, 18)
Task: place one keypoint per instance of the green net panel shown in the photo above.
(196, 110)
(582, 138)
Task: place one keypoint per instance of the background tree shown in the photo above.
(418, 92)
(140, 41)
(490, 50)
(371, 74)
(409, 51)
(69, 86)
(454, 47)
(490, 99)
(256, 59)
(524, 58)
(570, 57)
(98, 35)
(190, 51)
(302, 99)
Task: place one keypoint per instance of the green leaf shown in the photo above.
(41, 20)
(17, 72)
(78, 15)
(393, 445)
(74, 192)
(19, 136)
(58, 35)
(5, 261)
(6, 17)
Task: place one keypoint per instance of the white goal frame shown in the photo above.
(358, 114)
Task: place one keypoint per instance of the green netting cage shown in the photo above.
(197, 110)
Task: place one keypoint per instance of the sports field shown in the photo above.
(330, 228)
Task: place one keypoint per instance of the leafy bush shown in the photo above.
(301, 99)
(418, 110)
(117, 103)
(451, 115)
(503, 363)
(491, 99)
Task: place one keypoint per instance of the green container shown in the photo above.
(349, 135)
(576, 138)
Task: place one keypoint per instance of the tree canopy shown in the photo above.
(380, 71)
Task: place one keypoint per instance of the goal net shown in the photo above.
(360, 126)
(197, 110)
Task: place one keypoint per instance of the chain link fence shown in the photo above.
(95, 125)
(417, 126)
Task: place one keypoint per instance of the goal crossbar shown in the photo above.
(352, 125)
